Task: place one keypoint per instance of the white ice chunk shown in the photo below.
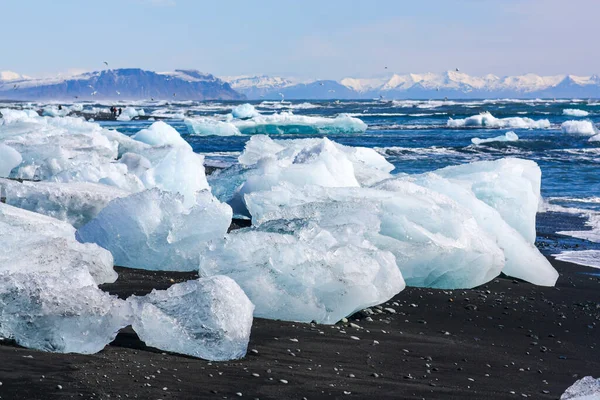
(508, 137)
(572, 112)
(61, 311)
(244, 111)
(129, 113)
(487, 120)
(586, 388)
(33, 242)
(579, 128)
(287, 123)
(154, 230)
(436, 242)
(301, 272)
(160, 134)
(180, 171)
(9, 159)
(510, 185)
(208, 318)
(204, 126)
(523, 259)
(74, 202)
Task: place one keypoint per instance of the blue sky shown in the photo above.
(327, 39)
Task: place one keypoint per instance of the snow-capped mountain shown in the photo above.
(451, 84)
(8, 76)
(124, 84)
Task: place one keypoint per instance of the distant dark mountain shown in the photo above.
(451, 84)
(121, 84)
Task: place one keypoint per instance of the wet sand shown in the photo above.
(505, 340)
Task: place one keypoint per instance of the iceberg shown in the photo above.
(487, 120)
(575, 113)
(288, 123)
(244, 111)
(508, 137)
(298, 271)
(154, 230)
(9, 159)
(59, 311)
(586, 388)
(203, 126)
(579, 128)
(33, 242)
(73, 202)
(160, 134)
(595, 138)
(208, 318)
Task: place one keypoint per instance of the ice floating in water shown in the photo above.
(487, 120)
(579, 128)
(595, 138)
(586, 388)
(9, 159)
(160, 134)
(244, 111)
(508, 137)
(73, 202)
(208, 318)
(36, 243)
(130, 113)
(154, 230)
(293, 270)
(53, 111)
(286, 122)
(204, 126)
(575, 113)
(59, 311)
(275, 124)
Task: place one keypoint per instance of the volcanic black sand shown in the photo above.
(505, 340)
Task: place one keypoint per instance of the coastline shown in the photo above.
(505, 336)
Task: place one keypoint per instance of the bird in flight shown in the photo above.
(457, 70)
(106, 63)
(118, 93)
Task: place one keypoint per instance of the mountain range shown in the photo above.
(123, 84)
(138, 84)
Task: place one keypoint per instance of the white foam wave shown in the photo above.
(588, 258)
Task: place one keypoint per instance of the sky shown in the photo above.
(325, 39)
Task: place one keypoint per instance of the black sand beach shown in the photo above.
(505, 340)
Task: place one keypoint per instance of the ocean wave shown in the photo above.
(588, 258)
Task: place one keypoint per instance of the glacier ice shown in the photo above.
(58, 311)
(9, 159)
(204, 126)
(509, 185)
(208, 318)
(73, 202)
(436, 242)
(286, 123)
(244, 111)
(276, 124)
(572, 112)
(299, 271)
(487, 120)
(579, 128)
(507, 137)
(155, 230)
(160, 134)
(130, 113)
(180, 171)
(35, 242)
(586, 388)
